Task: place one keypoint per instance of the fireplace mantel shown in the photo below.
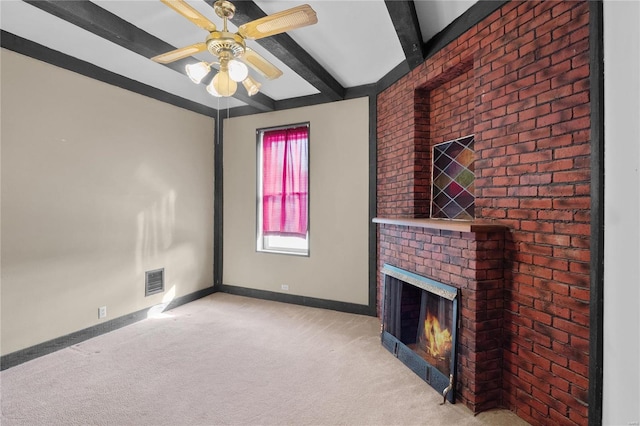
(443, 224)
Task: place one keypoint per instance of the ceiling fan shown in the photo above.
(230, 49)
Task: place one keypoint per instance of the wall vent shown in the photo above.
(154, 282)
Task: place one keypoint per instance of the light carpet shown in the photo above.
(233, 360)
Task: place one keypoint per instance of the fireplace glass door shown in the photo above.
(419, 325)
(434, 340)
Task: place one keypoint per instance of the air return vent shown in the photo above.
(154, 282)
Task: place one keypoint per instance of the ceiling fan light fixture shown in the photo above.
(228, 46)
(212, 90)
(251, 85)
(224, 84)
(198, 71)
(238, 71)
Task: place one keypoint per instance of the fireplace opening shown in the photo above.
(434, 332)
(419, 326)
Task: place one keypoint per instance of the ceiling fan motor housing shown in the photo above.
(226, 44)
(224, 9)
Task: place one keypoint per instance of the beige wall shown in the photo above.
(337, 268)
(99, 185)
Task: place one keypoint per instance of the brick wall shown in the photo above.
(526, 69)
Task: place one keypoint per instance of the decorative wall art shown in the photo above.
(453, 179)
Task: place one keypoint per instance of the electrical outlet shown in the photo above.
(285, 287)
(102, 312)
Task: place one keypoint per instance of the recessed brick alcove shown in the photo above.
(519, 82)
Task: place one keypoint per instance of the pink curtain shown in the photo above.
(285, 182)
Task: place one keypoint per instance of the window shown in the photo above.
(453, 179)
(283, 190)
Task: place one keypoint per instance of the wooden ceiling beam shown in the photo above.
(283, 47)
(405, 21)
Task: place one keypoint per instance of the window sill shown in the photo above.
(285, 252)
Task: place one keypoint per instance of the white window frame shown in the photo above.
(289, 245)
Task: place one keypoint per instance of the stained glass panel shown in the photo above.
(453, 150)
(465, 178)
(453, 179)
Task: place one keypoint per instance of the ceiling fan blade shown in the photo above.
(183, 52)
(260, 64)
(186, 10)
(280, 22)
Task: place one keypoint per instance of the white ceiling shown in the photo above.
(354, 40)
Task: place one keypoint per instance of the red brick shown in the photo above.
(537, 316)
(569, 375)
(571, 126)
(568, 102)
(570, 77)
(554, 117)
(537, 179)
(555, 358)
(554, 333)
(580, 280)
(556, 240)
(572, 203)
(572, 151)
(556, 141)
(557, 165)
(580, 293)
(534, 112)
(571, 328)
(546, 397)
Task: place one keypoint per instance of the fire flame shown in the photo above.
(438, 340)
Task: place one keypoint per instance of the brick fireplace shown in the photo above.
(470, 258)
(519, 82)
